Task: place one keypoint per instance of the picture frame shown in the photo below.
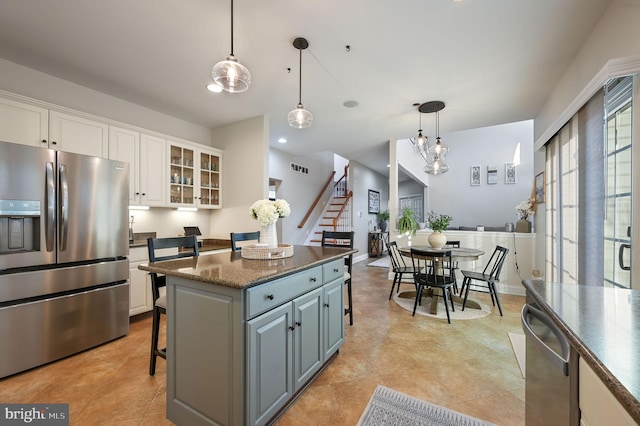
(509, 173)
(374, 202)
(492, 175)
(539, 185)
(475, 176)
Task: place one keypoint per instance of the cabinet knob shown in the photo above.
(54, 142)
(270, 296)
(44, 141)
(144, 193)
(336, 270)
(137, 193)
(291, 328)
(326, 305)
(312, 279)
(298, 323)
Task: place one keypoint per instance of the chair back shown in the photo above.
(494, 266)
(340, 239)
(397, 261)
(243, 236)
(186, 247)
(432, 268)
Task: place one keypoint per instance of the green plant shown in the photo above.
(438, 222)
(407, 223)
(383, 215)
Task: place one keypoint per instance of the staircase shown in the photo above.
(336, 216)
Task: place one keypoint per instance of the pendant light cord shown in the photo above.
(231, 27)
(300, 80)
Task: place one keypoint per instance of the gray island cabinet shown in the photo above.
(245, 336)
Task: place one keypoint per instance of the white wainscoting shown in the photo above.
(521, 249)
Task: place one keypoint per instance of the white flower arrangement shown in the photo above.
(267, 212)
(526, 208)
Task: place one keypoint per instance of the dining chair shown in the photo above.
(433, 269)
(399, 267)
(485, 281)
(182, 247)
(243, 236)
(454, 244)
(344, 240)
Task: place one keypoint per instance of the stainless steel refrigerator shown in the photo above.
(63, 254)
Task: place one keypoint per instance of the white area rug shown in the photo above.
(383, 262)
(518, 344)
(389, 407)
(406, 300)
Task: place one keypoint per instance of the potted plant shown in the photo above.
(407, 223)
(382, 220)
(438, 223)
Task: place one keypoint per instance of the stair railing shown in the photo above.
(342, 222)
(317, 200)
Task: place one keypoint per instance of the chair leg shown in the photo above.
(492, 286)
(446, 306)
(155, 331)
(465, 286)
(395, 278)
(418, 297)
(349, 309)
(453, 309)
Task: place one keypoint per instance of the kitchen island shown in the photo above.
(603, 326)
(245, 337)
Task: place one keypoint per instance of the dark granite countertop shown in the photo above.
(603, 325)
(230, 269)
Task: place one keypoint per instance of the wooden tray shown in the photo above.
(256, 251)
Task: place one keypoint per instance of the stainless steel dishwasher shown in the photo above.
(551, 371)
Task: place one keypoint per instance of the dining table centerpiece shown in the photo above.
(267, 213)
(525, 210)
(438, 223)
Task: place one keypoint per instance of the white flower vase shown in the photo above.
(269, 235)
(437, 239)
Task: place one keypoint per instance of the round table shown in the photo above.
(460, 254)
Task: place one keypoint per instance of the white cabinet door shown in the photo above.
(124, 145)
(140, 299)
(23, 123)
(79, 135)
(153, 160)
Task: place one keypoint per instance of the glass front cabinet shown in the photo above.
(194, 176)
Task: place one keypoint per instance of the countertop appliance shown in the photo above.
(63, 254)
(551, 371)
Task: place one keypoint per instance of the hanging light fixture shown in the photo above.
(421, 142)
(230, 74)
(434, 154)
(438, 149)
(299, 117)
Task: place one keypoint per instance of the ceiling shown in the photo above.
(490, 61)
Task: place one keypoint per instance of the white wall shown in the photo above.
(245, 174)
(488, 205)
(300, 190)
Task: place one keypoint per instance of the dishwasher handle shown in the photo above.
(562, 362)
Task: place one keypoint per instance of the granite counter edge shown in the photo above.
(621, 393)
(157, 268)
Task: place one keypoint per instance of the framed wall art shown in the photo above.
(492, 175)
(539, 185)
(475, 176)
(510, 173)
(374, 202)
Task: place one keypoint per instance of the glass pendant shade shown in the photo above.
(300, 118)
(231, 75)
(436, 167)
(421, 143)
(438, 150)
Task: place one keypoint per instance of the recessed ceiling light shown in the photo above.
(214, 87)
(350, 104)
(282, 140)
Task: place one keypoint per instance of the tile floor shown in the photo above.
(467, 366)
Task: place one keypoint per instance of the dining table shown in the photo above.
(458, 254)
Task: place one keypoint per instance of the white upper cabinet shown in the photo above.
(146, 157)
(79, 135)
(23, 123)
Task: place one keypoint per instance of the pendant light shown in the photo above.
(230, 74)
(421, 142)
(299, 117)
(438, 149)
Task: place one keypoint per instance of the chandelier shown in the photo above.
(434, 154)
(230, 74)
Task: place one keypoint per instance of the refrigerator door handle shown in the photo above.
(556, 359)
(63, 222)
(623, 247)
(50, 205)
